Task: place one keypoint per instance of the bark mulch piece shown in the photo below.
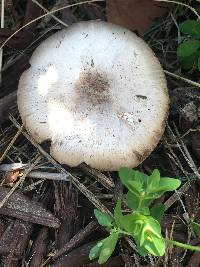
(39, 248)
(21, 207)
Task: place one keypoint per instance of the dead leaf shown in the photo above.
(134, 14)
(11, 177)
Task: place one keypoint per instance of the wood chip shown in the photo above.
(21, 207)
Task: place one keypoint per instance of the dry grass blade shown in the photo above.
(168, 203)
(11, 143)
(2, 26)
(47, 11)
(73, 178)
(180, 78)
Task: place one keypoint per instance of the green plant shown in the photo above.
(189, 51)
(142, 223)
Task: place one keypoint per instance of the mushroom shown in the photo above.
(98, 92)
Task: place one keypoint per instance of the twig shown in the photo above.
(48, 176)
(11, 143)
(170, 201)
(48, 12)
(43, 16)
(100, 177)
(182, 79)
(2, 26)
(186, 154)
(182, 4)
(77, 239)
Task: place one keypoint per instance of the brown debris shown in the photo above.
(76, 258)
(194, 260)
(77, 239)
(21, 207)
(7, 105)
(19, 41)
(112, 262)
(32, 11)
(66, 203)
(176, 257)
(8, 95)
(93, 11)
(128, 13)
(2, 227)
(195, 144)
(39, 249)
(14, 241)
(11, 177)
(67, 15)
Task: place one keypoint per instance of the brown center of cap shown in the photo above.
(92, 87)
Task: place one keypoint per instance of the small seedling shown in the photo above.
(143, 221)
(189, 51)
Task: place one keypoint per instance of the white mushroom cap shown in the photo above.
(98, 92)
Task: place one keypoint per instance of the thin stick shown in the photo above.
(170, 201)
(43, 16)
(48, 176)
(53, 16)
(2, 26)
(11, 143)
(182, 79)
(181, 4)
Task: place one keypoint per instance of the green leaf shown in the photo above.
(199, 63)
(126, 174)
(95, 251)
(155, 245)
(142, 251)
(134, 201)
(157, 211)
(108, 247)
(153, 180)
(150, 237)
(103, 218)
(118, 213)
(169, 184)
(188, 48)
(188, 62)
(133, 180)
(133, 223)
(191, 27)
(196, 228)
(146, 232)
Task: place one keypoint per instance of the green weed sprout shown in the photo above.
(143, 222)
(189, 51)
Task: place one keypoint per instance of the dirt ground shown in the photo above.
(46, 209)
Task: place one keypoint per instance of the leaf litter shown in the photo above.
(175, 156)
